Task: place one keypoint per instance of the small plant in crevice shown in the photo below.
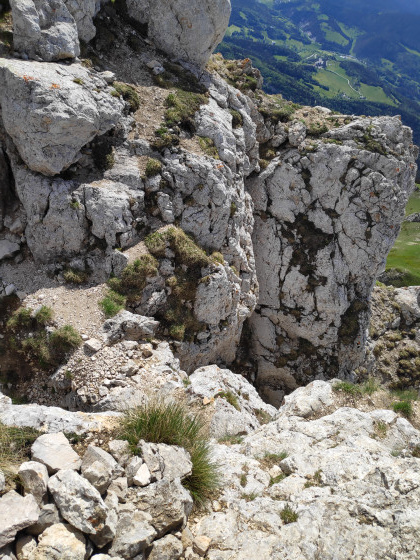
(153, 167)
(170, 422)
(288, 515)
(208, 146)
(230, 397)
(128, 93)
(231, 440)
(403, 407)
(181, 108)
(75, 276)
(112, 303)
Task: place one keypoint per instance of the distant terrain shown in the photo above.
(355, 57)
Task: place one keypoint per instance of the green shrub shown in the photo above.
(129, 94)
(185, 249)
(64, 340)
(287, 515)
(153, 167)
(133, 278)
(182, 106)
(43, 316)
(404, 407)
(370, 386)
(277, 479)
(237, 118)
(172, 423)
(22, 318)
(112, 303)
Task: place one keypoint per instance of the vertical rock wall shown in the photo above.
(326, 215)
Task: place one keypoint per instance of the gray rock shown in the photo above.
(142, 476)
(314, 298)
(49, 116)
(100, 468)
(128, 326)
(55, 452)
(185, 34)
(107, 533)
(60, 542)
(16, 513)
(2, 482)
(25, 547)
(165, 461)
(51, 418)
(83, 12)
(245, 410)
(8, 249)
(166, 501)
(78, 501)
(48, 516)
(120, 450)
(119, 488)
(44, 28)
(34, 478)
(132, 468)
(93, 345)
(168, 548)
(134, 534)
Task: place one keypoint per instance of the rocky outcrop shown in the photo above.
(50, 30)
(52, 111)
(317, 481)
(185, 31)
(327, 214)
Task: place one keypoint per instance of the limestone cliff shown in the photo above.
(110, 160)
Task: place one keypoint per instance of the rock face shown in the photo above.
(188, 31)
(45, 29)
(336, 463)
(64, 102)
(325, 220)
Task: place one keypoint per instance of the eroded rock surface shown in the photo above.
(327, 214)
(188, 31)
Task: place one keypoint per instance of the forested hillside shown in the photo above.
(355, 57)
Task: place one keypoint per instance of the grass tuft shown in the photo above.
(230, 397)
(129, 94)
(287, 515)
(169, 422)
(185, 249)
(112, 303)
(153, 167)
(14, 448)
(404, 407)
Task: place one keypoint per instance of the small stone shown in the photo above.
(119, 487)
(187, 538)
(34, 478)
(93, 345)
(49, 516)
(201, 545)
(168, 548)
(25, 546)
(142, 476)
(131, 469)
(120, 450)
(60, 542)
(8, 249)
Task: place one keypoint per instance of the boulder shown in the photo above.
(168, 548)
(55, 452)
(167, 502)
(134, 534)
(34, 478)
(52, 111)
(78, 501)
(48, 516)
(60, 542)
(165, 461)
(45, 29)
(25, 547)
(100, 468)
(16, 513)
(128, 326)
(185, 31)
(83, 12)
(51, 419)
(120, 450)
(8, 249)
